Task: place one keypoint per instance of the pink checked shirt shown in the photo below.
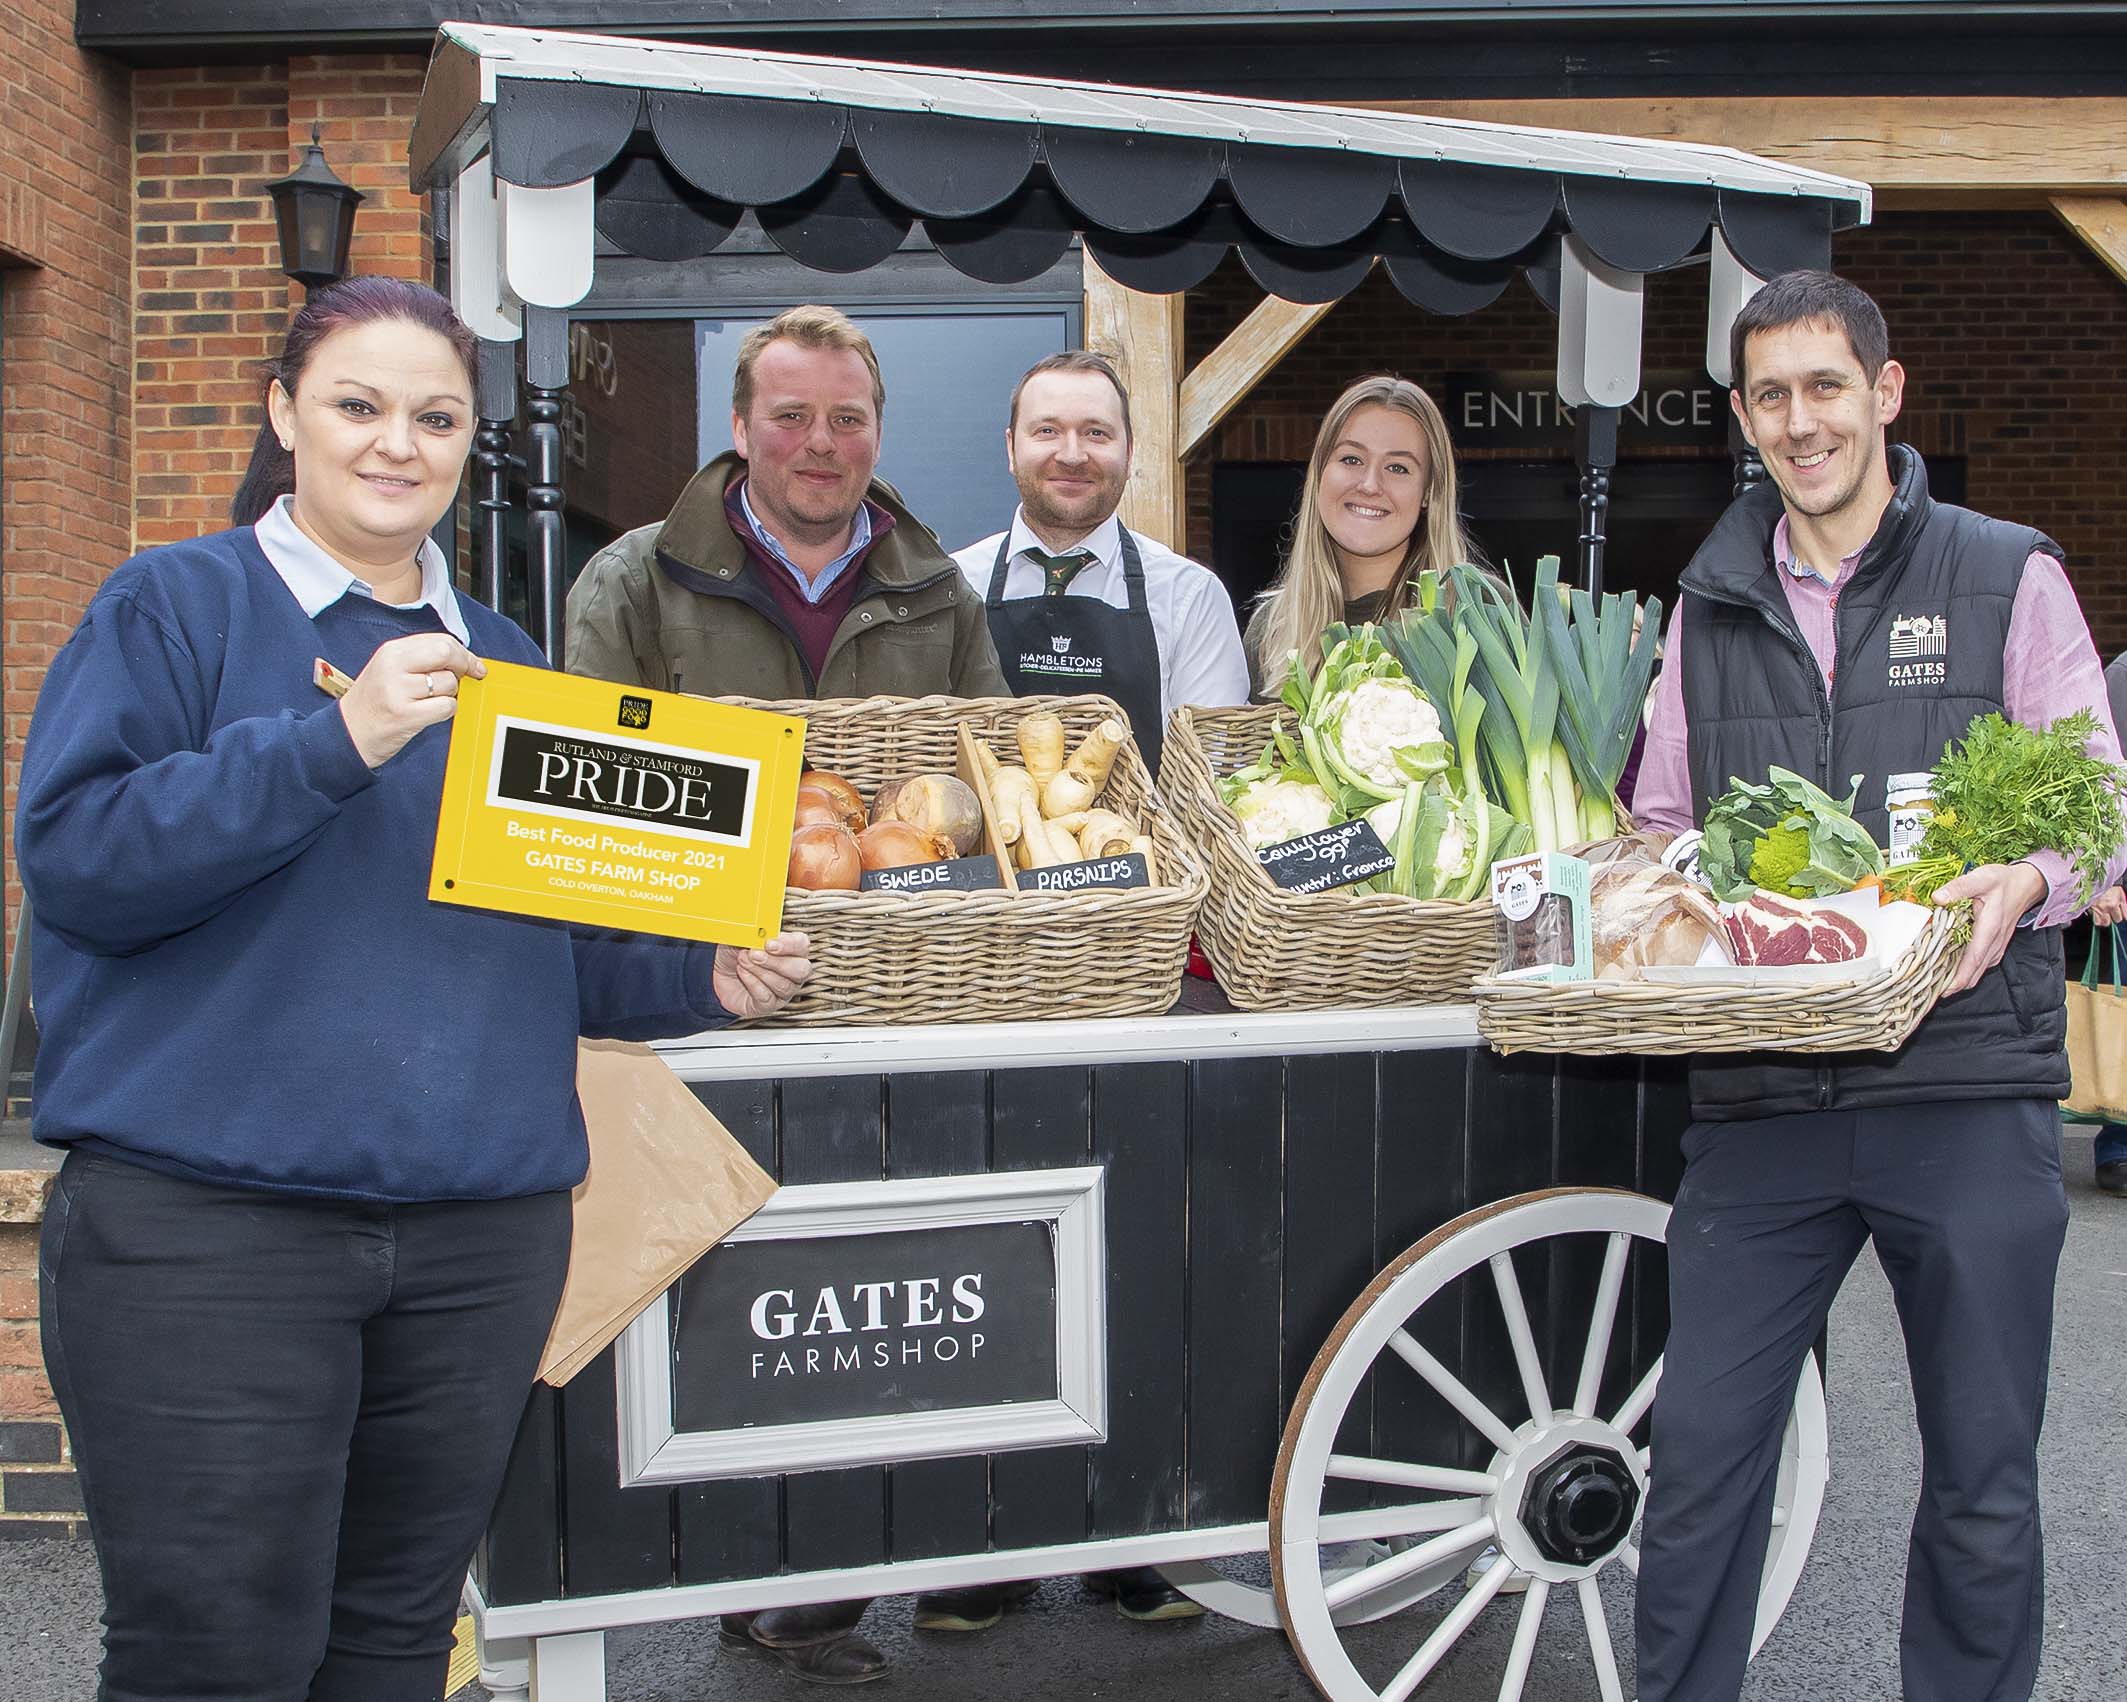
(2049, 669)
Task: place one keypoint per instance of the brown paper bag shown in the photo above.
(2097, 1039)
(667, 1182)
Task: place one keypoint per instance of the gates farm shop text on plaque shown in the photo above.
(585, 801)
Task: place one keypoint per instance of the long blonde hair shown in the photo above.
(1308, 594)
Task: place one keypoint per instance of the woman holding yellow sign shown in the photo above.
(314, 1216)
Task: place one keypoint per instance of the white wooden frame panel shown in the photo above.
(1071, 1201)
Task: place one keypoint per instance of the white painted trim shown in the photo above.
(759, 1054)
(477, 291)
(1071, 1201)
(548, 242)
(903, 1577)
(1598, 329)
(1729, 284)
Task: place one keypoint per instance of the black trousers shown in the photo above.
(1963, 1201)
(290, 1418)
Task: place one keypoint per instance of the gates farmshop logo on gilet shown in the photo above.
(611, 779)
(1919, 644)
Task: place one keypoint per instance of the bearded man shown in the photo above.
(1077, 602)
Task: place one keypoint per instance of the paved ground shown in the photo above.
(1837, 1643)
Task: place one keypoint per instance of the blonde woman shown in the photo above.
(1377, 509)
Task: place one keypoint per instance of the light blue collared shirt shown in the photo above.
(317, 582)
(812, 590)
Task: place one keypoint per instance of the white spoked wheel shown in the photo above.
(1560, 1498)
(1225, 1587)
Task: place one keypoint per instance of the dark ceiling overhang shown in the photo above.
(1301, 49)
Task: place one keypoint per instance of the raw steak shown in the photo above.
(1767, 929)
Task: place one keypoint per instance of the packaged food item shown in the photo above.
(1909, 801)
(1541, 917)
(1641, 913)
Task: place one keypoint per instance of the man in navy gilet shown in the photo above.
(1839, 622)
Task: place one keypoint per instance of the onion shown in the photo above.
(937, 803)
(895, 845)
(843, 793)
(825, 858)
(819, 809)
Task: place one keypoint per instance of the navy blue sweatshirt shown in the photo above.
(239, 975)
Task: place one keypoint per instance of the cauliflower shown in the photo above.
(1272, 810)
(1449, 865)
(1375, 721)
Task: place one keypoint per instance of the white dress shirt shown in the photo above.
(1201, 660)
(317, 581)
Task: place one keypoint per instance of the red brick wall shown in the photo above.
(65, 164)
(2013, 334)
(212, 298)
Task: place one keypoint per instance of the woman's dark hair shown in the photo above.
(351, 301)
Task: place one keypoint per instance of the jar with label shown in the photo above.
(1909, 803)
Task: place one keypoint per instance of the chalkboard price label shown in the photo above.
(1330, 856)
(954, 874)
(1127, 870)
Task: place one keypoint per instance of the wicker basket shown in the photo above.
(1603, 1017)
(880, 957)
(1279, 950)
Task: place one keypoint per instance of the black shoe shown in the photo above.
(1142, 1594)
(816, 1642)
(847, 1659)
(2112, 1177)
(974, 1609)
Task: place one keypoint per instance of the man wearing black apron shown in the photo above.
(1077, 602)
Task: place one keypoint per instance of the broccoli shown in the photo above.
(1780, 856)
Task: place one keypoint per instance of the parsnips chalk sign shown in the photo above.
(589, 802)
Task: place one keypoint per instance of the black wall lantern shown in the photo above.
(315, 212)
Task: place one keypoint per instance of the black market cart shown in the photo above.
(1339, 1286)
(1434, 1273)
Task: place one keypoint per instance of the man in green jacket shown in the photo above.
(787, 569)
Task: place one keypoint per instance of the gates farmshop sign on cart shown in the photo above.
(856, 1322)
(590, 802)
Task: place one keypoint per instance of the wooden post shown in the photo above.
(2100, 221)
(1142, 334)
(497, 412)
(1223, 377)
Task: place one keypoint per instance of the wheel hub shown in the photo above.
(1579, 1505)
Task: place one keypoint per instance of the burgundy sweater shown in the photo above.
(812, 625)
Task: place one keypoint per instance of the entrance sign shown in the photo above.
(585, 801)
(1522, 410)
(849, 1323)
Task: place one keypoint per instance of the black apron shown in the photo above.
(1072, 645)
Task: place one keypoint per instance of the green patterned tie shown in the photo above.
(1059, 571)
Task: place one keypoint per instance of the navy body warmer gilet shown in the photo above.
(1921, 628)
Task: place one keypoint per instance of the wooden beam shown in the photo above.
(2100, 222)
(1918, 150)
(1142, 334)
(1236, 366)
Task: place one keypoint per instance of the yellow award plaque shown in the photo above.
(590, 802)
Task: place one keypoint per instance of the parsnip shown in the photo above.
(1047, 846)
(1012, 791)
(1142, 844)
(1105, 834)
(1085, 773)
(1041, 743)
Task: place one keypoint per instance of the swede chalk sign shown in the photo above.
(848, 1323)
(589, 802)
